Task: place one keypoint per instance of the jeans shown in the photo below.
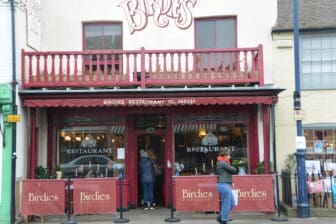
(148, 192)
(227, 200)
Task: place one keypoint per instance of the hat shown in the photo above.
(143, 153)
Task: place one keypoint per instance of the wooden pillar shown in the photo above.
(253, 140)
(168, 156)
(266, 136)
(33, 144)
(131, 162)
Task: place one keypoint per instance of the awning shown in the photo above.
(149, 102)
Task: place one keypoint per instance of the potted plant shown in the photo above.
(57, 170)
(41, 173)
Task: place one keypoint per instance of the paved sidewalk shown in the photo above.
(158, 216)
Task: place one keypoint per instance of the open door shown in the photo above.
(154, 145)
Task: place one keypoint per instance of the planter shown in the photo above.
(58, 174)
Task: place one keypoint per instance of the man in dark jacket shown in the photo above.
(147, 179)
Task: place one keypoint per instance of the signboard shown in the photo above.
(43, 197)
(199, 193)
(196, 193)
(13, 117)
(94, 196)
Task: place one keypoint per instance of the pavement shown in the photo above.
(164, 215)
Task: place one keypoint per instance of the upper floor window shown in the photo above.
(216, 32)
(102, 36)
(318, 61)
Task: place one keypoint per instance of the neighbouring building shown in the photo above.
(317, 47)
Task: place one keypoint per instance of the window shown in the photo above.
(90, 151)
(321, 148)
(197, 139)
(318, 61)
(105, 36)
(215, 33)
(102, 36)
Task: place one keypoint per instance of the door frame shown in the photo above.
(162, 133)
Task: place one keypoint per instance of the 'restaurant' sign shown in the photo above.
(94, 196)
(43, 197)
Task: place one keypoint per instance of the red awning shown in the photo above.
(149, 102)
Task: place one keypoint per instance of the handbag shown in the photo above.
(235, 195)
(315, 186)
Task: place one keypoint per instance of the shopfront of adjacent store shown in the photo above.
(101, 137)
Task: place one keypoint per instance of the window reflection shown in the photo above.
(197, 145)
(90, 151)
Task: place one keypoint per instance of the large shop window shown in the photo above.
(91, 151)
(318, 61)
(320, 152)
(197, 143)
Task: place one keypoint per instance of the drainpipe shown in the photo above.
(14, 83)
(303, 206)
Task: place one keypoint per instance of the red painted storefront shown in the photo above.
(146, 94)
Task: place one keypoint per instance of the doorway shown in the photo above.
(153, 144)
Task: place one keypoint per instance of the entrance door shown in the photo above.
(154, 145)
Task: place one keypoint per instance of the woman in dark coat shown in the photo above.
(147, 179)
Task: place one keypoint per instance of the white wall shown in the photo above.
(62, 25)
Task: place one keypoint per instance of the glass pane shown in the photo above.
(225, 33)
(316, 43)
(306, 43)
(197, 145)
(93, 37)
(326, 42)
(112, 36)
(306, 55)
(205, 34)
(90, 151)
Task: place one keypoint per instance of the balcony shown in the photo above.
(142, 68)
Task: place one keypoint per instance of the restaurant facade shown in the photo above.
(179, 78)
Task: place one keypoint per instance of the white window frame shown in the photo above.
(318, 61)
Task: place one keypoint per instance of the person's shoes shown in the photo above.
(146, 208)
(219, 219)
(151, 208)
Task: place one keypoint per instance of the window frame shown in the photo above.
(114, 61)
(325, 79)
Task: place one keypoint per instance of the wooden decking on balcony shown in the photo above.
(142, 68)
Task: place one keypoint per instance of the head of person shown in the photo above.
(143, 153)
(225, 152)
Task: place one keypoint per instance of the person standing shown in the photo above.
(147, 179)
(224, 184)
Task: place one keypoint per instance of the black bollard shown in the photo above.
(121, 219)
(69, 221)
(171, 218)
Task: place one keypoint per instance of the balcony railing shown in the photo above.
(143, 68)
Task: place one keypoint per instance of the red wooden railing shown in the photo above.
(142, 68)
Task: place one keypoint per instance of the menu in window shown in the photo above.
(318, 146)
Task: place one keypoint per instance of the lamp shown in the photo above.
(202, 132)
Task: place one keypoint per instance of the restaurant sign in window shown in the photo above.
(91, 151)
(197, 143)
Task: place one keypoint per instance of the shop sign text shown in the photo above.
(137, 13)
